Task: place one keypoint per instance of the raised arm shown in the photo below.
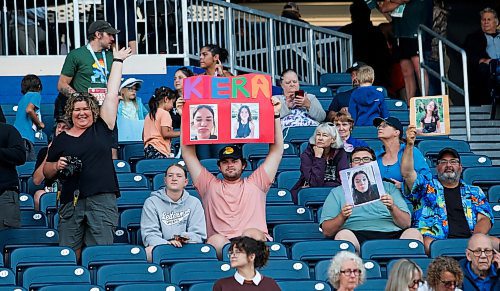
(109, 107)
(189, 151)
(273, 159)
(390, 5)
(407, 167)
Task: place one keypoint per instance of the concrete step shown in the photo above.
(477, 131)
(494, 140)
(474, 109)
(476, 123)
(459, 117)
(484, 146)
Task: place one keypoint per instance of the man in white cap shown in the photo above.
(131, 106)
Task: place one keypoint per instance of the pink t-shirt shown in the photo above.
(232, 207)
(152, 131)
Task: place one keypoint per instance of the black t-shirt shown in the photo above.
(93, 148)
(176, 118)
(458, 226)
(340, 100)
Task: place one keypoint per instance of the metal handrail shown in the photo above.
(441, 75)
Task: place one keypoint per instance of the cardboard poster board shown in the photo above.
(362, 185)
(228, 110)
(430, 115)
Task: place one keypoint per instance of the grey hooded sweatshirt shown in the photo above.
(162, 218)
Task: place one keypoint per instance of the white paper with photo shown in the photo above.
(362, 184)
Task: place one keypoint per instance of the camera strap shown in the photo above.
(76, 194)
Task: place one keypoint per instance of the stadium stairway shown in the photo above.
(485, 133)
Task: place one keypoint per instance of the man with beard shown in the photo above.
(481, 264)
(444, 206)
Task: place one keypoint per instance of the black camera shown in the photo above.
(74, 167)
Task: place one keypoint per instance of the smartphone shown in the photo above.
(299, 93)
(388, 180)
(181, 239)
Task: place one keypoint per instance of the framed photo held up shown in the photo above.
(362, 184)
(430, 115)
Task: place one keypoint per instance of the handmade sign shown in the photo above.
(228, 109)
(362, 184)
(430, 115)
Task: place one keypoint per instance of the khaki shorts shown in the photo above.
(91, 222)
(10, 214)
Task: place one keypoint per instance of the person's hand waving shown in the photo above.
(121, 54)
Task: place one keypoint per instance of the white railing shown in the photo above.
(256, 41)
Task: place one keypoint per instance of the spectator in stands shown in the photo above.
(387, 218)
(345, 124)
(298, 108)
(482, 47)
(444, 206)
(291, 11)
(235, 206)
(390, 132)
(211, 58)
(407, 15)
(367, 102)
(130, 106)
(171, 215)
(26, 27)
(125, 21)
(443, 274)
(346, 271)
(245, 127)
(247, 255)
(482, 264)
(28, 119)
(82, 159)
(179, 75)
(86, 69)
(38, 177)
(322, 160)
(340, 102)
(368, 42)
(12, 154)
(405, 275)
(158, 131)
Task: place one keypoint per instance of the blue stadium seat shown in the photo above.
(494, 193)
(71, 287)
(7, 278)
(159, 181)
(372, 284)
(364, 132)
(30, 187)
(288, 179)
(344, 88)
(291, 233)
(396, 105)
(325, 103)
(298, 135)
(286, 270)
(373, 270)
(210, 165)
(423, 263)
(313, 196)
(403, 116)
(482, 176)
(130, 219)
(166, 255)
(301, 285)
(254, 152)
(151, 167)
(469, 161)
(111, 276)
(133, 152)
(335, 80)
(33, 218)
(277, 196)
(188, 273)
(132, 181)
(24, 172)
(9, 109)
(452, 247)
(94, 257)
(276, 251)
(121, 166)
(26, 201)
(286, 164)
(385, 249)
(495, 230)
(37, 277)
(318, 91)
(23, 237)
(47, 204)
(202, 286)
(148, 287)
(194, 193)
(430, 148)
(288, 214)
(374, 144)
(303, 146)
(319, 250)
(23, 258)
(495, 206)
(132, 199)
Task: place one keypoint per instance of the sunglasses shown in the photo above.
(449, 284)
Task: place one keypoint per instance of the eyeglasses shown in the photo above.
(477, 253)
(453, 162)
(236, 253)
(417, 282)
(349, 272)
(364, 160)
(449, 284)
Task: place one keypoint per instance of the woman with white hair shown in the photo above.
(322, 160)
(346, 271)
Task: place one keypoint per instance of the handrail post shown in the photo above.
(232, 50)
(76, 23)
(185, 31)
(441, 67)
(312, 59)
(421, 62)
(466, 96)
(270, 50)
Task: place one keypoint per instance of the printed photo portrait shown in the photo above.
(362, 185)
(204, 122)
(244, 120)
(430, 115)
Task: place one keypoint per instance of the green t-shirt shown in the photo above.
(81, 66)
(372, 217)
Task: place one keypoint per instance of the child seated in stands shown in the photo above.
(130, 106)
(367, 102)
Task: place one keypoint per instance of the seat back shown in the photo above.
(452, 247)
(288, 179)
(7, 277)
(276, 251)
(33, 218)
(288, 214)
(166, 255)
(36, 277)
(188, 273)
(26, 201)
(151, 167)
(132, 199)
(130, 219)
(423, 263)
(494, 193)
(132, 181)
(148, 287)
(291, 233)
(385, 249)
(299, 285)
(121, 166)
(482, 176)
(72, 287)
(95, 256)
(319, 250)
(313, 196)
(335, 80)
(286, 270)
(318, 91)
(114, 275)
(277, 196)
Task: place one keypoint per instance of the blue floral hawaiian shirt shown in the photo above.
(430, 217)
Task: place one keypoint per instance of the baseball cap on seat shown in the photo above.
(101, 25)
(230, 152)
(391, 121)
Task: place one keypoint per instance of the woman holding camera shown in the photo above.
(81, 159)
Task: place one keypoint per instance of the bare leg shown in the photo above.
(412, 233)
(348, 235)
(409, 77)
(416, 65)
(149, 253)
(427, 244)
(255, 234)
(36, 199)
(218, 241)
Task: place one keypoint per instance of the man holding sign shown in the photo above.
(235, 206)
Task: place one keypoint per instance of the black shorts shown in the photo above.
(407, 48)
(364, 235)
(10, 216)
